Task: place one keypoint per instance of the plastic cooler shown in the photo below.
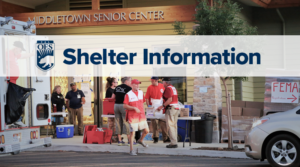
(108, 135)
(94, 136)
(65, 131)
(108, 106)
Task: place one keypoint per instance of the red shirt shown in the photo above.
(12, 67)
(126, 99)
(171, 92)
(154, 92)
(131, 115)
(12, 64)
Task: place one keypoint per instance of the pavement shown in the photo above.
(74, 159)
(75, 145)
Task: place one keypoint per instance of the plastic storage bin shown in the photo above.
(108, 106)
(108, 135)
(95, 137)
(190, 107)
(86, 129)
(65, 131)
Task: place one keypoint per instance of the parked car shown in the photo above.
(276, 137)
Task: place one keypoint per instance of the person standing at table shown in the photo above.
(111, 84)
(154, 94)
(122, 127)
(135, 114)
(171, 108)
(58, 101)
(12, 57)
(76, 99)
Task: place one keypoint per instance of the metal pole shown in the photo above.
(230, 143)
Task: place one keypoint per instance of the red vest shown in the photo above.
(174, 95)
(174, 101)
(136, 101)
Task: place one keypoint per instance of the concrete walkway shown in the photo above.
(75, 144)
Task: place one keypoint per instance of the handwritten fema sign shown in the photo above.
(285, 92)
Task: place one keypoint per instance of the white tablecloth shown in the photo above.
(161, 117)
(64, 114)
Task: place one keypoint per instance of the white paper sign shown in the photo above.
(86, 78)
(285, 92)
(87, 109)
(203, 89)
(77, 79)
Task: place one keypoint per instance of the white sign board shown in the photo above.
(203, 90)
(285, 92)
(87, 109)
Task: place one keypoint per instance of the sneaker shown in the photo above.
(134, 144)
(167, 140)
(172, 146)
(20, 123)
(143, 144)
(132, 153)
(155, 140)
(121, 143)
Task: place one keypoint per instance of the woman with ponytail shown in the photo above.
(111, 84)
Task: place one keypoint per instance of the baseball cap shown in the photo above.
(154, 78)
(135, 81)
(166, 79)
(19, 44)
(72, 84)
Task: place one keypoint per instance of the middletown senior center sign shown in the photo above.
(285, 92)
(161, 14)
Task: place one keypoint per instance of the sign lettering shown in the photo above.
(98, 17)
(285, 92)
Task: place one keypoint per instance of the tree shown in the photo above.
(219, 18)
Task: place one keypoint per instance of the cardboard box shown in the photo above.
(239, 123)
(252, 112)
(184, 112)
(236, 135)
(234, 111)
(238, 103)
(252, 104)
(149, 111)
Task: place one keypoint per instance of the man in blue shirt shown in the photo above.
(74, 101)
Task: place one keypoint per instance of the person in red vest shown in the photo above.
(12, 56)
(154, 99)
(171, 108)
(135, 113)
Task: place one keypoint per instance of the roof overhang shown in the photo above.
(276, 3)
(28, 3)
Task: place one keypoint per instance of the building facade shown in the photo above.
(64, 17)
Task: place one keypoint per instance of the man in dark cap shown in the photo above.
(171, 109)
(74, 101)
(12, 57)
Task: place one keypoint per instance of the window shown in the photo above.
(42, 111)
(180, 84)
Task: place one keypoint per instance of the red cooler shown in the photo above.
(108, 135)
(95, 137)
(108, 106)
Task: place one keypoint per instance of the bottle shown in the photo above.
(54, 108)
(63, 108)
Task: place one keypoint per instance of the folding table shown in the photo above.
(187, 124)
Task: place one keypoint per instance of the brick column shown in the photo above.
(209, 102)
